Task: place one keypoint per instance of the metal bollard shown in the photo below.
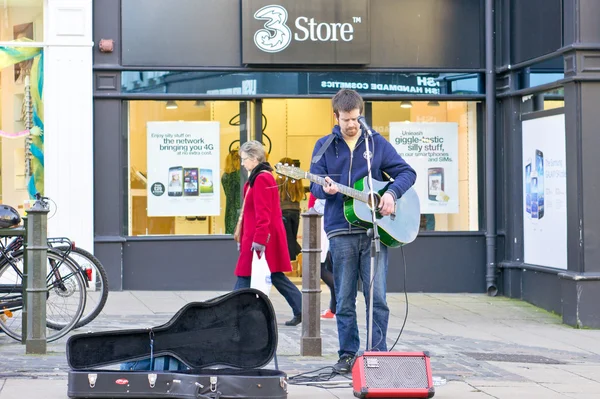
(311, 343)
(37, 252)
(24, 285)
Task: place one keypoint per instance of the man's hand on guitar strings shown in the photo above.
(330, 187)
(386, 204)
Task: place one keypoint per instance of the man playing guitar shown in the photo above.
(343, 162)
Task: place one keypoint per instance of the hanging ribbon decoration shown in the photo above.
(13, 55)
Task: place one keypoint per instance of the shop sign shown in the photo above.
(384, 83)
(305, 32)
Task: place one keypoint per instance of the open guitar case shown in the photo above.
(224, 341)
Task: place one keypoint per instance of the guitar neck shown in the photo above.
(349, 191)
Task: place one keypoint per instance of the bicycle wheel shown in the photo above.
(97, 283)
(65, 299)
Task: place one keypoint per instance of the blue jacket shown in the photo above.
(347, 167)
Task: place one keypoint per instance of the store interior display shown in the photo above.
(288, 133)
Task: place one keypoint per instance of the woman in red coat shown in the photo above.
(262, 228)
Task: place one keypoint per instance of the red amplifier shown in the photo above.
(392, 375)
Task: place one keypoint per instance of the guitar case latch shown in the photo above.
(152, 379)
(92, 379)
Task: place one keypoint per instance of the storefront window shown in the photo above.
(185, 166)
(550, 99)
(554, 98)
(21, 124)
(439, 140)
(542, 73)
(179, 190)
(22, 20)
(464, 84)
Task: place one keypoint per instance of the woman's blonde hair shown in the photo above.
(232, 162)
(288, 190)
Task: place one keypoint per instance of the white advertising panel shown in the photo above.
(432, 150)
(545, 192)
(183, 169)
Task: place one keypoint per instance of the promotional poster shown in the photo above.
(432, 150)
(545, 192)
(183, 169)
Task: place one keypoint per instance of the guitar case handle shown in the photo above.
(200, 396)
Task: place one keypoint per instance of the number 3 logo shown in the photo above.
(276, 36)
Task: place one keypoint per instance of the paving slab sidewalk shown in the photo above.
(482, 347)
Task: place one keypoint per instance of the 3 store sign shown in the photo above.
(277, 35)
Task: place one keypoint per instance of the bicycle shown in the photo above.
(92, 272)
(96, 282)
(65, 298)
(61, 250)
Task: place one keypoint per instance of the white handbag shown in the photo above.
(261, 274)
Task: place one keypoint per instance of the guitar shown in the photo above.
(400, 228)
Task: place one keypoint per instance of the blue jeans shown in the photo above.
(290, 292)
(351, 255)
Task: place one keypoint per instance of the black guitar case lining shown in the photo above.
(226, 340)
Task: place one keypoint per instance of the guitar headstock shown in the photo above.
(290, 171)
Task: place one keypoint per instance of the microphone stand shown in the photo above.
(375, 239)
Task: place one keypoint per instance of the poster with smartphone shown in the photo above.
(183, 161)
(432, 150)
(545, 192)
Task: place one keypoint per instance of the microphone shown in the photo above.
(363, 124)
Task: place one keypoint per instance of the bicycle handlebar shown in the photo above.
(39, 197)
(43, 200)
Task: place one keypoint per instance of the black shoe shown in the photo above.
(344, 365)
(295, 321)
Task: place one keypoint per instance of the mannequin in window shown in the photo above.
(231, 186)
(291, 192)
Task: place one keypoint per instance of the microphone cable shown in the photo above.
(322, 378)
(405, 301)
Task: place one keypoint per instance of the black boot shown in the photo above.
(295, 321)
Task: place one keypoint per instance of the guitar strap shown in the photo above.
(324, 148)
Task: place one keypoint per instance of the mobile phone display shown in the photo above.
(175, 182)
(528, 188)
(435, 183)
(206, 182)
(539, 167)
(534, 198)
(190, 181)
